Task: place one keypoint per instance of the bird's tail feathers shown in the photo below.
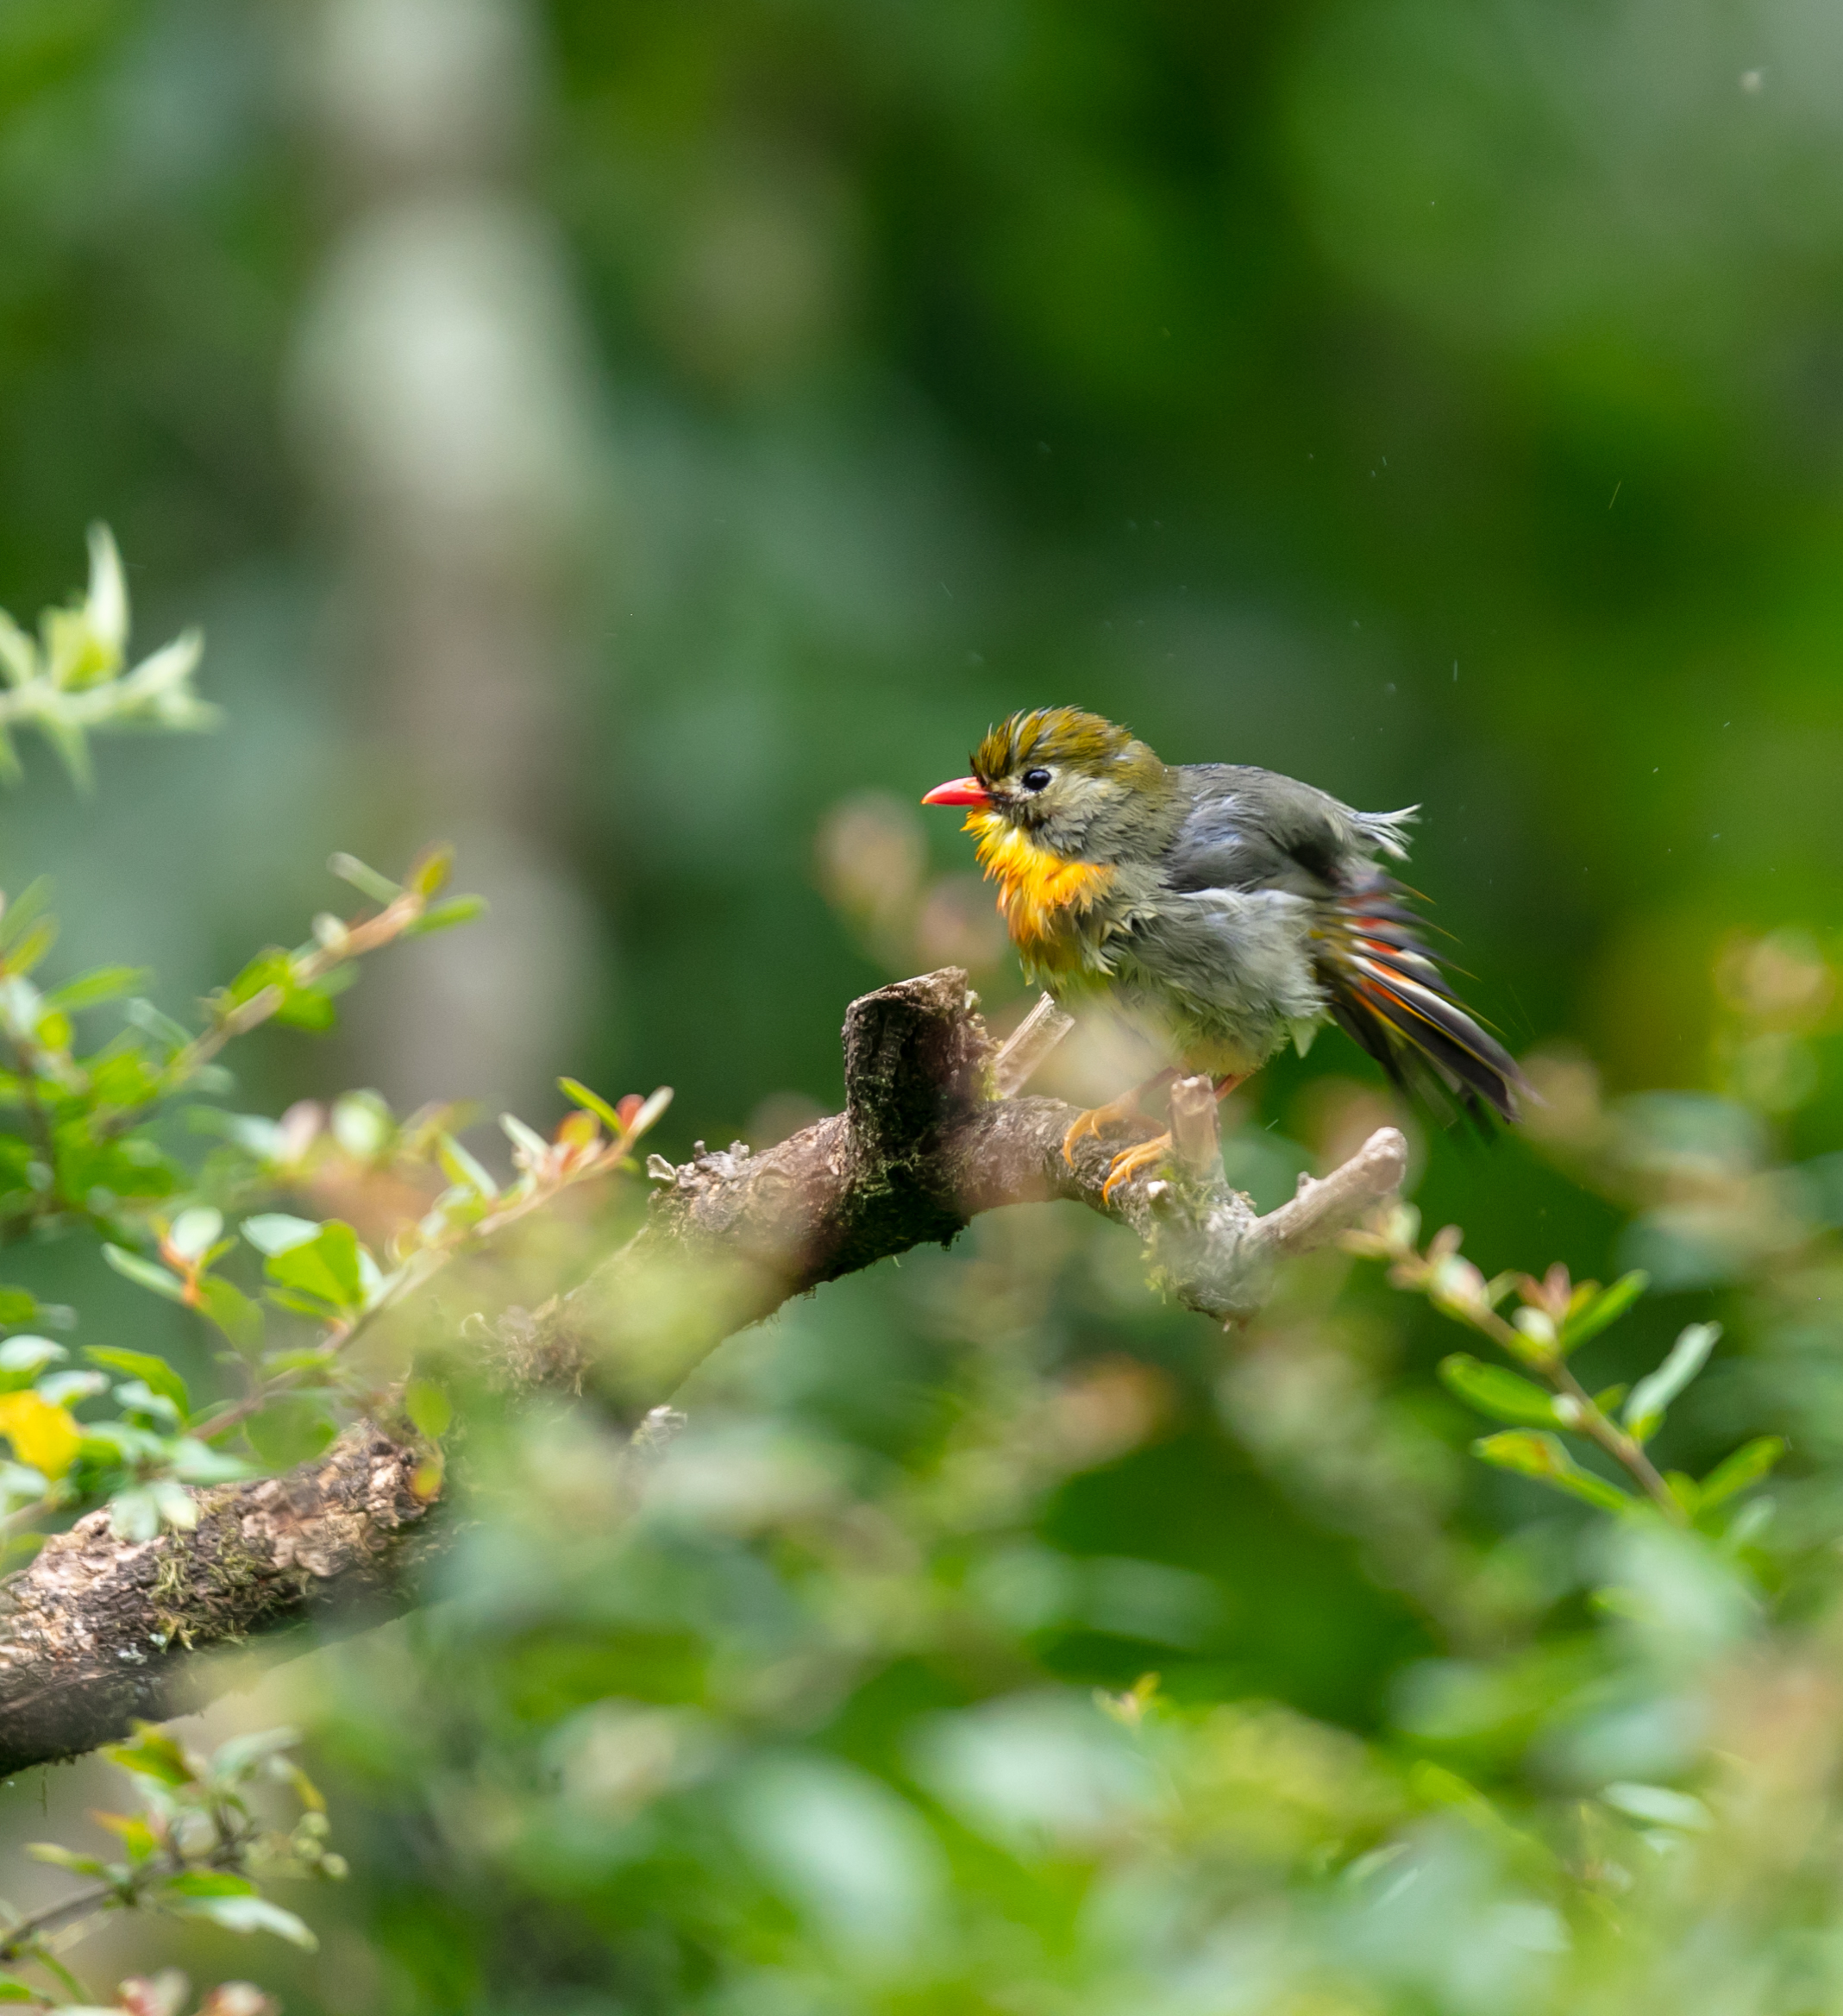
(1389, 995)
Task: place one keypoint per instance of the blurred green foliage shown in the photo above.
(1438, 401)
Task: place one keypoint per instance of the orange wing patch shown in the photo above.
(1040, 895)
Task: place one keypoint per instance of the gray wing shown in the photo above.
(1253, 829)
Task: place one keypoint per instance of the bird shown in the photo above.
(1217, 909)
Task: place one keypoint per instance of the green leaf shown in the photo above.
(1747, 1465)
(16, 1991)
(429, 1407)
(21, 912)
(1653, 1394)
(197, 1462)
(1543, 1456)
(67, 1858)
(19, 1305)
(315, 1308)
(317, 1358)
(100, 984)
(521, 1136)
(270, 968)
(1606, 1307)
(241, 1914)
(134, 1515)
(462, 1170)
(150, 1022)
(380, 888)
(289, 1431)
(143, 1365)
(308, 1007)
(429, 870)
(362, 1124)
(194, 1230)
(29, 1354)
(234, 1313)
(1497, 1392)
(445, 915)
(1658, 1805)
(33, 946)
(579, 1094)
(327, 1266)
(236, 1759)
(275, 1232)
(151, 1753)
(207, 1883)
(145, 1273)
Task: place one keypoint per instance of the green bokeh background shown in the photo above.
(1440, 401)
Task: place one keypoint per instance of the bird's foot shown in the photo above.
(1115, 1113)
(1128, 1164)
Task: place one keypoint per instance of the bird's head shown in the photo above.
(1076, 785)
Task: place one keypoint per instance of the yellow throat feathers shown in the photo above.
(1040, 895)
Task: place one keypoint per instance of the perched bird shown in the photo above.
(1217, 909)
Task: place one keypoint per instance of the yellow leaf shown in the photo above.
(43, 1436)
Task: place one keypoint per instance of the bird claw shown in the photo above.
(1129, 1161)
(1115, 1113)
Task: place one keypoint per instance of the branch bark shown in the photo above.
(99, 1630)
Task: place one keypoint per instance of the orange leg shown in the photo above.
(1144, 1154)
(1115, 1113)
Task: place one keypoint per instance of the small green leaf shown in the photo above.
(193, 1231)
(100, 984)
(521, 1136)
(1543, 1456)
(1747, 1465)
(33, 946)
(207, 1883)
(462, 1170)
(16, 1991)
(241, 1755)
(21, 911)
(579, 1094)
(143, 1365)
(319, 1357)
(234, 1313)
(380, 888)
(1497, 1392)
(244, 1915)
(151, 1753)
(327, 1265)
(429, 872)
(1606, 1307)
(289, 1431)
(134, 1515)
(1658, 1805)
(151, 1022)
(29, 1354)
(445, 915)
(275, 1232)
(67, 1858)
(308, 1007)
(197, 1462)
(145, 1273)
(362, 1124)
(429, 1407)
(1653, 1394)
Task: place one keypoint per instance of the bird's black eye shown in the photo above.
(1034, 780)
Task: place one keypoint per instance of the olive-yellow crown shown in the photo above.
(1067, 737)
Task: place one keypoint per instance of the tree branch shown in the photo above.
(99, 1630)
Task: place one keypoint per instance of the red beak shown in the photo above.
(959, 791)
